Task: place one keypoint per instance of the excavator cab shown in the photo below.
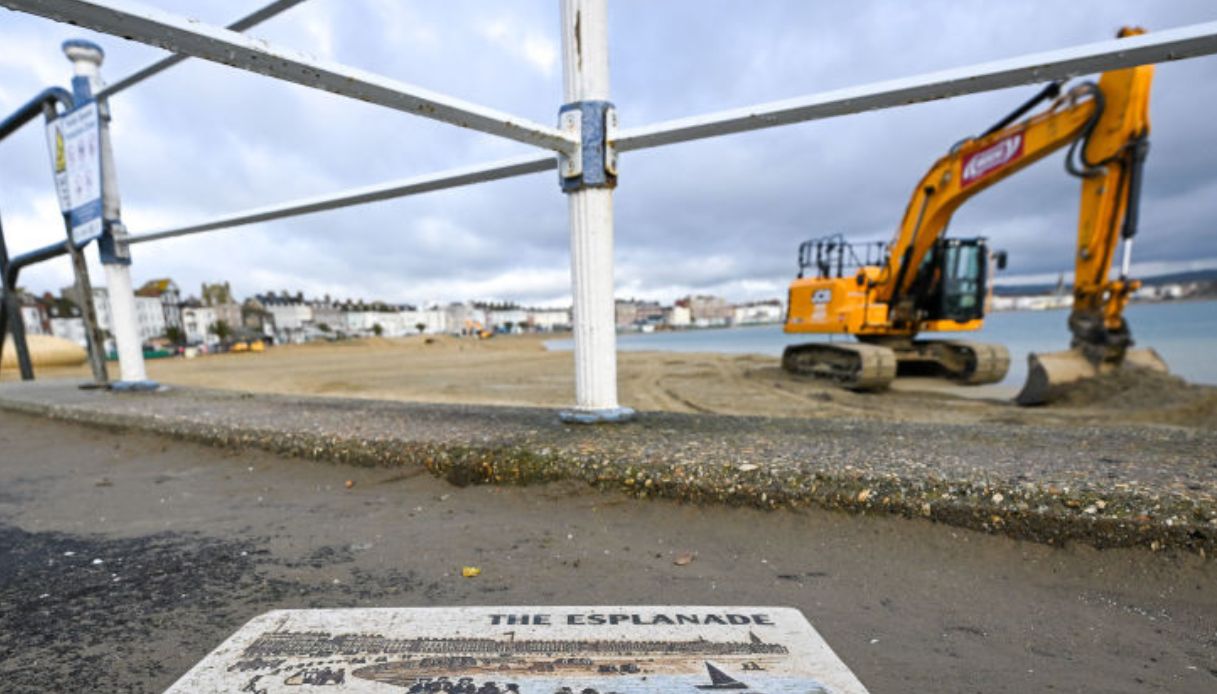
(953, 282)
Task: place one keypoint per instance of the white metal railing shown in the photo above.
(193, 38)
(247, 22)
(1171, 44)
(586, 78)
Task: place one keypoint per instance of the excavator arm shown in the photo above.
(1110, 163)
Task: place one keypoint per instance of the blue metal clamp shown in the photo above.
(594, 162)
(112, 247)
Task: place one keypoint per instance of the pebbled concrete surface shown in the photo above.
(1106, 486)
(128, 557)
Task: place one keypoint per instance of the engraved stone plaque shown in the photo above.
(526, 650)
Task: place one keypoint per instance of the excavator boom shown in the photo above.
(970, 168)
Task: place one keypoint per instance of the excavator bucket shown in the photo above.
(1050, 372)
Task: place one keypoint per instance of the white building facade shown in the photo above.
(435, 320)
(196, 323)
(293, 319)
(32, 319)
(70, 328)
(759, 312)
(678, 316)
(549, 319)
(149, 314)
(506, 319)
(364, 323)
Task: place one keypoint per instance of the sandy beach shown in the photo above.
(519, 370)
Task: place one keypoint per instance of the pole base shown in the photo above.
(134, 386)
(612, 415)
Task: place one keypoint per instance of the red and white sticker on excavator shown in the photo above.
(978, 165)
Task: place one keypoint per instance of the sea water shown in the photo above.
(1183, 332)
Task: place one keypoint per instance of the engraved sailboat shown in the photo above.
(721, 680)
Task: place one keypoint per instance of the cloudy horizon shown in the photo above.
(722, 216)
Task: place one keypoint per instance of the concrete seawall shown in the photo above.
(1148, 486)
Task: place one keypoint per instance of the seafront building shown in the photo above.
(633, 314)
(290, 315)
(549, 319)
(758, 312)
(507, 317)
(291, 318)
(33, 315)
(167, 292)
(709, 311)
(197, 321)
(218, 317)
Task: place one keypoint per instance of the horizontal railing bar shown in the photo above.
(1171, 44)
(181, 35)
(247, 22)
(38, 255)
(452, 178)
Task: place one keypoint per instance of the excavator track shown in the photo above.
(853, 366)
(966, 362)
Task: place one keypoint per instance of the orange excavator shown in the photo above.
(476, 328)
(885, 295)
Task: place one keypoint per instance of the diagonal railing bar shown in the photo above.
(180, 35)
(247, 22)
(451, 178)
(1159, 46)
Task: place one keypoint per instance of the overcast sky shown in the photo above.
(724, 215)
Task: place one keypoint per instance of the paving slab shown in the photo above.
(526, 650)
(1106, 486)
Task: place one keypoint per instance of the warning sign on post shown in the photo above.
(527, 650)
(59, 162)
(74, 141)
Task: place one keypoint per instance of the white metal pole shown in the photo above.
(126, 330)
(86, 61)
(585, 79)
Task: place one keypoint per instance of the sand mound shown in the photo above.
(45, 350)
(1127, 388)
(1144, 395)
